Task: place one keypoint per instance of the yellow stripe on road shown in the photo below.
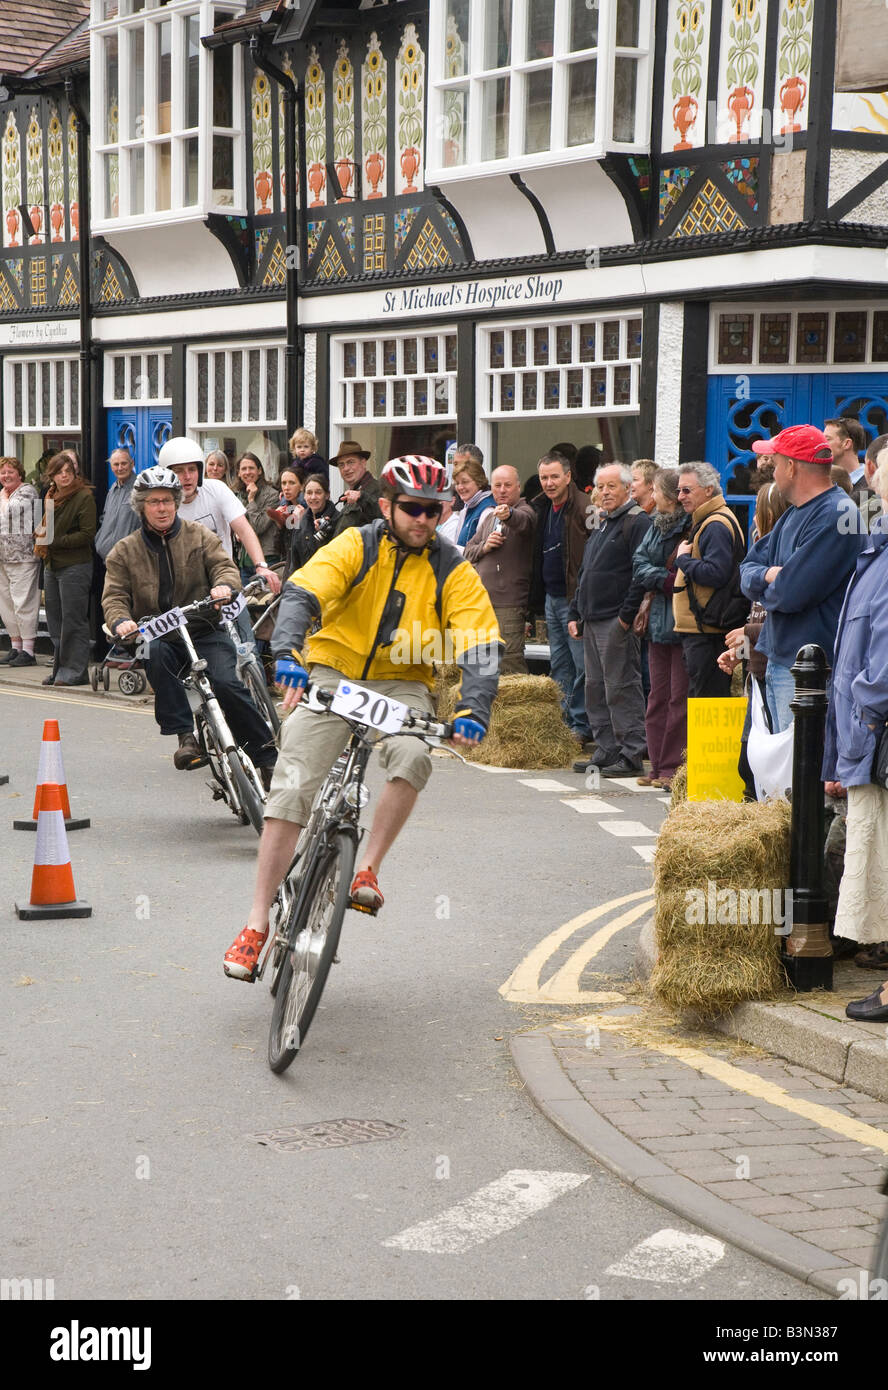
(523, 987)
(74, 700)
(564, 986)
(746, 1082)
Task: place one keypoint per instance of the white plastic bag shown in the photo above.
(770, 755)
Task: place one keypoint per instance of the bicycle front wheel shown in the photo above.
(247, 791)
(309, 957)
(254, 680)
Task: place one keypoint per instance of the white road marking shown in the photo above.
(646, 852)
(666, 800)
(627, 827)
(670, 1257)
(545, 784)
(589, 805)
(631, 783)
(491, 1211)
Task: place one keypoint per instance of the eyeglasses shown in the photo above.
(421, 508)
(685, 491)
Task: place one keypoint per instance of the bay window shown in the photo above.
(171, 113)
(528, 83)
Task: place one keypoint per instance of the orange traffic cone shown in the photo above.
(50, 769)
(52, 883)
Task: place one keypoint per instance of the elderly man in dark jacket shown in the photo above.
(564, 516)
(501, 551)
(604, 607)
(360, 500)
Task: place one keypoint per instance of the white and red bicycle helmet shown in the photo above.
(418, 476)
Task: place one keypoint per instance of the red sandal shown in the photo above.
(365, 892)
(242, 957)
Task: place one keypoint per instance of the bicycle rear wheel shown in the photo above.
(254, 680)
(308, 960)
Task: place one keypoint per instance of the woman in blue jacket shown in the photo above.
(858, 710)
(471, 486)
(653, 571)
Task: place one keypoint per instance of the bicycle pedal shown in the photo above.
(360, 907)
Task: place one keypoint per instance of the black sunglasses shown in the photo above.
(422, 508)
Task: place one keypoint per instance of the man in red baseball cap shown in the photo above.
(800, 570)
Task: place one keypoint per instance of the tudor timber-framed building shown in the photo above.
(659, 228)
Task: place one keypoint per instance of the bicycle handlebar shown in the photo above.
(417, 720)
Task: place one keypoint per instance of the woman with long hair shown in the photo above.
(257, 495)
(217, 467)
(315, 527)
(64, 542)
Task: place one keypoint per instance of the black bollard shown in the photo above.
(3, 779)
(807, 951)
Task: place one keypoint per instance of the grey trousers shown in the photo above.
(67, 616)
(614, 699)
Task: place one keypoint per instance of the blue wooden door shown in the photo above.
(741, 409)
(142, 430)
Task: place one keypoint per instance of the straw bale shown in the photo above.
(679, 785)
(712, 965)
(526, 727)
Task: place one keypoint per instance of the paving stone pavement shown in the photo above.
(787, 1170)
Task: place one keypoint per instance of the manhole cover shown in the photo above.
(327, 1134)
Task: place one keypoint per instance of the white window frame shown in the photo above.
(487, 416)
(792, 367)
(196, 426)
(519, 69)
(122, 26)
(343, 421)
(136, 371)
(43, 363)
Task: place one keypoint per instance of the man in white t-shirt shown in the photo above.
(213, 504)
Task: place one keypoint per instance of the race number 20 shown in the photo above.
(368, 707)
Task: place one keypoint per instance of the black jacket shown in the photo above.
(306, 539)
(365, 510)
(604, 584)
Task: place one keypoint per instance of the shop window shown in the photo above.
(518, 81)
(162, 146)
(401, 376)
(565, 366)
(239, 402)
(797, 338)
(137, 378)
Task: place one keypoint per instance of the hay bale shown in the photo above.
(710, 958)
(526, 727)
(679, 785)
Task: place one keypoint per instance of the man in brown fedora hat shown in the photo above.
(361, 497)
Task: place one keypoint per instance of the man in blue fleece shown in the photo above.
(800, 570)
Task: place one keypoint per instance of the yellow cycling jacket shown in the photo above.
(387, 614)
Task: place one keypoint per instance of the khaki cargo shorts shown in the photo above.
(311, 742)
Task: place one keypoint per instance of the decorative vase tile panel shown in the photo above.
(374, 117)
(866, 112)
(73, 197)
(741, 71)
(673, 183)
(791, 81)
(315, 131)
(260, 108)
(344, 111)
(36, 193)
(452, 151)
(411, 90)
(12, 183)
(744, 175)
(687, 61)
(55, 181)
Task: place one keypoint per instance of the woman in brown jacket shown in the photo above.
(64, 543)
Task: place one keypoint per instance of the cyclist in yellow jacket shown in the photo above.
(390, 598)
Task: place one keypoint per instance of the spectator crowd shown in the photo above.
(638, 577)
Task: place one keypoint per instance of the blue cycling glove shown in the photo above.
(469, 728)
(287, 672)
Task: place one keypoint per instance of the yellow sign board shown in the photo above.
(714, 729)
